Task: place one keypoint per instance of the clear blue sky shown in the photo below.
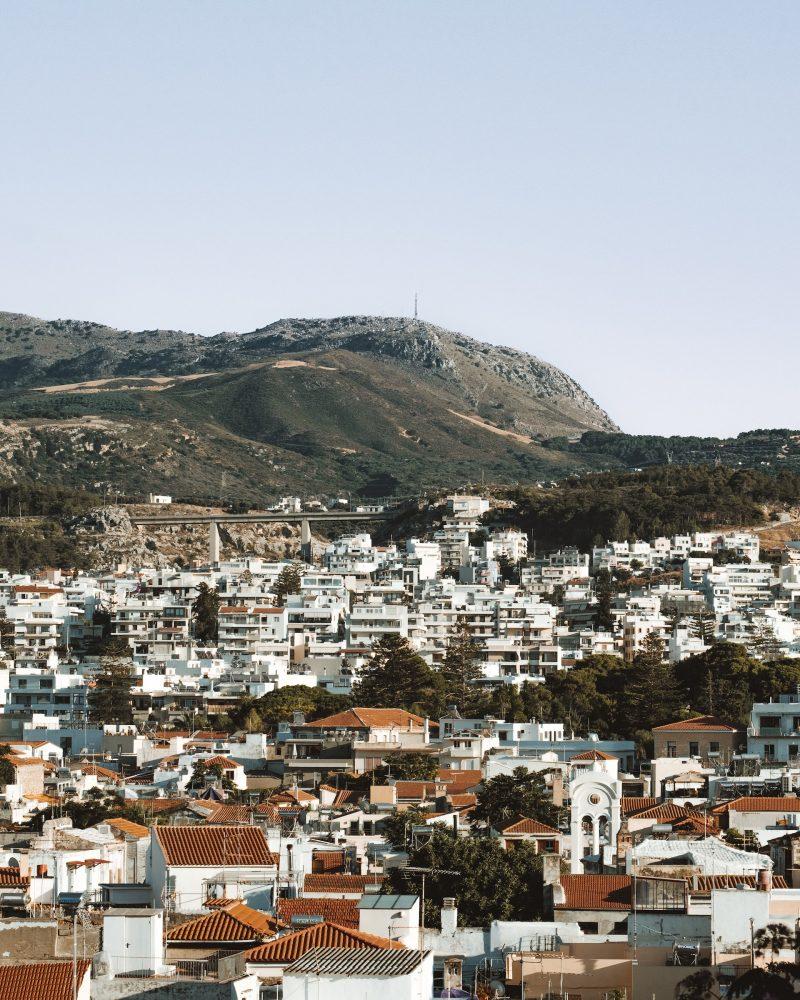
(612, 186)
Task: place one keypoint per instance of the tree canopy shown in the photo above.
(395, 675)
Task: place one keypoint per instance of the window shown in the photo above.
(694, 748)
(672, 749)
(769, 751)
(713, 746)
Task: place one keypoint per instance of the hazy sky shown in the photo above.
(612, 186)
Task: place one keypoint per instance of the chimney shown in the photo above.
(764, 882)
(449, 916)
(558, 789)
(551, 869)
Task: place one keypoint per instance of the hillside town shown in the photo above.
(442, 765)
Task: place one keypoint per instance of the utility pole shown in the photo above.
(416, 313)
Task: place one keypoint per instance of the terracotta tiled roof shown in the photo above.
(220, 760)
(463, 800)
(290, 947)
(764, 803)
(267, 811)
(369, 718)
(129, 827)
(156, 806)
(40, 980)
(631, 804)
(298, 796)
(459, 781)
(87, 767)
(596, 892)
(705, 883)
(697, 823)
(531, 826)
(340, 883)
(417, 790)
(328, 861)
(664, 811)
(343, 912)
(222, 813)
(593, 755)
(11, 877)
(200, 846)
(235, 922)
(221, 902)
(346, 796)
(698, 723)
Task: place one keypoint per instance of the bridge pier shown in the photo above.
(306, 553)
(213, 542)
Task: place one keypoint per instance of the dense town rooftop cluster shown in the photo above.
(449, 762)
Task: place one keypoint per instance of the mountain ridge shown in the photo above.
(547, 401)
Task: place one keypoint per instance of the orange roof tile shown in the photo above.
(343, 912)
(531, 826)
(764, 803)
(234, 922)
(11, 877)
(200, 846)
(630, 804)
(415, 789)
(220, 760)
(698, 723)
(593, 755)
(40, 980)
(129, 827)
(290, 947)
(369, 718)
(596, 892)
(705, 883)
(340, 883)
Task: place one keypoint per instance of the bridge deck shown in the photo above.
(270, 517)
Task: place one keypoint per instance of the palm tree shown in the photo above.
(774, 938)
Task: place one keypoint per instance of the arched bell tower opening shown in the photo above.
(594, 818)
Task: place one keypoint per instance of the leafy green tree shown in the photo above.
(408, 765)
(396, 676)
(8, 774)
(521, 793)
(205, 613)
(203, 770)
(492, 884)
(288, 582)
(280, 706)
(460, 669)
(6, 633)
(397, 826)
(725, 681)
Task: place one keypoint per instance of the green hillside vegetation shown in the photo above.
(663, 500)
(779, 448)
(354, 425)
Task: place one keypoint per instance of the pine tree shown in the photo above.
(110, 698)
(287, 582)
(397, 677)
(604, 591)
(205, 611)
(654, 695)
(460, 668)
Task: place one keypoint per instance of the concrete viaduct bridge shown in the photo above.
(304, 519)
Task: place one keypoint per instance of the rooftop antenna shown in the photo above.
(416, 313)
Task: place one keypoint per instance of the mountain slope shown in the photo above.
(507, 388)
(365, 405)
